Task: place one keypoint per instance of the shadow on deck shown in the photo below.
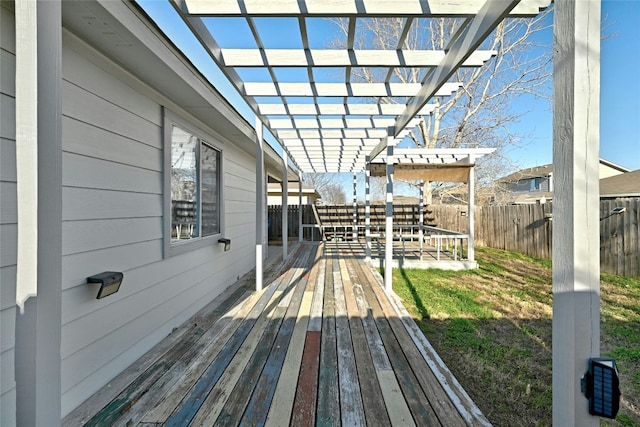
(323, 344)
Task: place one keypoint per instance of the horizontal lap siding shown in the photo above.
(112, 220)
(8, 217)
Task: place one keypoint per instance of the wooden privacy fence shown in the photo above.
(522, 228)
(619, 235)
(274, 213)
(529, 229)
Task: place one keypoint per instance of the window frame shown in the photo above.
(172, 248)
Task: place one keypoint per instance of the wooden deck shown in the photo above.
(321, 345)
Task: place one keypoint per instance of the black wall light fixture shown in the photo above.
(226, 243)
(109, 282)
(601, 385)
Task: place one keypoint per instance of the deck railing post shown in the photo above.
(388, 237)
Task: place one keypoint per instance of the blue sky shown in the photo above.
(620, 87)
(619, 101)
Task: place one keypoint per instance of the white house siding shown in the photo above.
(112, 220)
(8, 217)
(606, 171)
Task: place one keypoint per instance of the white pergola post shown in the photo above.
(367, 209)
(259, 204)
(355, 209)
(421, 226)
(39, 171)
(300, 228)
(471, 253)
(576, 248)
(388, 235)
(285, 207)
(265, 217)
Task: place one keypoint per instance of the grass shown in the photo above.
(492, 327)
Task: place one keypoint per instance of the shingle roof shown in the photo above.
(535, 172)
(623, 185)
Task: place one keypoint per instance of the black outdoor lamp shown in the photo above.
(226, 243)
(601, 385)
(109, 282)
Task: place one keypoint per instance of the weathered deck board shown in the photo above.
(417, 401)
(188, 408)
(322, 345)
(174, 395)
(328, 407)
(285, 392)
(138, 388)
(447, 413)
(248, 358)
(315, 322)
(258, 406)
(351, 406)
(396, 406)
(372, 398)
(304, 409)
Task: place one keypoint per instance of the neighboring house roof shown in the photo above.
(614, 166)
(545, 170)
(529, 173)
(623, 185)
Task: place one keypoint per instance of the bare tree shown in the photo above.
(327, 185)
(333, 194)
(320, 181)
(481, 113)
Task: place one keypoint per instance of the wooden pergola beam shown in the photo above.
(338, 109)
(343, 58)
(367, 90)
(342, 123)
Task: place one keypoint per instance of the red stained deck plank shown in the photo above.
(304, 407)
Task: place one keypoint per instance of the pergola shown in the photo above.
(310, 99)
(342, 125)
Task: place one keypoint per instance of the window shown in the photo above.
(194, 186)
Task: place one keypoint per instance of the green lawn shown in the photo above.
(492, 327)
